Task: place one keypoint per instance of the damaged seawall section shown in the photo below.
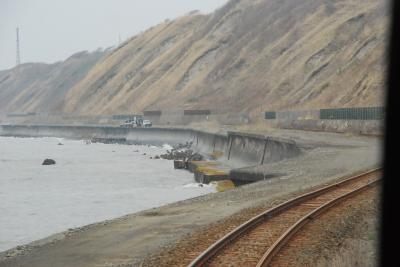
(243, 149)
(237, 150)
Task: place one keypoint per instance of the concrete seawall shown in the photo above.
(237, 150)
(249, 149)
(243, 149)
(154, 136)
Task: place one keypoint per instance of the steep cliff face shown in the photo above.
(247, 56)
(38, 87)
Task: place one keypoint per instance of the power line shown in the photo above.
(18, 58)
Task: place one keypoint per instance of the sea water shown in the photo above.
(90, 182)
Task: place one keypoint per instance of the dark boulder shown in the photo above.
(49, 162)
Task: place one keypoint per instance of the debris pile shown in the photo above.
(182, 152)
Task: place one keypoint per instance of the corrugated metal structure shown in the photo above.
(126, 117)
(364, 113)
(270, 115)
(360, 120)
(152, 112)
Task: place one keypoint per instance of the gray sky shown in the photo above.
(52, 30)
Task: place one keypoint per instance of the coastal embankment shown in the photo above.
(235, 150)
(127, 241)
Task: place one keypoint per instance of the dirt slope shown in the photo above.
(251, 56)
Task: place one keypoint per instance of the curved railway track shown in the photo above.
(257, 241)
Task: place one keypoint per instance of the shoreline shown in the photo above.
(87, 184)
(128, 240)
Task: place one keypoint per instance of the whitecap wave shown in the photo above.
(166, 146)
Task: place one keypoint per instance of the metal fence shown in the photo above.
(365, 113)
(270, 115)
(362, 113)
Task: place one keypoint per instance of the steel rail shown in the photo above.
(285, 238)
(219, 245)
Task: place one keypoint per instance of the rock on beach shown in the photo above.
(49, 162)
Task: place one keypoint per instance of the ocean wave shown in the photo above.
(167, 147)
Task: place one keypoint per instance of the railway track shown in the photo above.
(257, 241)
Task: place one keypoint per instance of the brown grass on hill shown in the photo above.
(247, 56)
(250, 56)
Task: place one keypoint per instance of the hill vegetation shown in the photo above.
(247, 56)
(39, 87)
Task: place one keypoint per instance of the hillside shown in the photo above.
(39, 87)
(249, 55)
(246, 56)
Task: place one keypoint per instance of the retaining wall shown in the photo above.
(245, 149)
(251, 150)
(242, 149)
(203, 142)
(156, 136)
(42, 119)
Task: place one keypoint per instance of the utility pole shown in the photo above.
(18, 59)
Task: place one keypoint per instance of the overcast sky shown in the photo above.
(52, 30)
